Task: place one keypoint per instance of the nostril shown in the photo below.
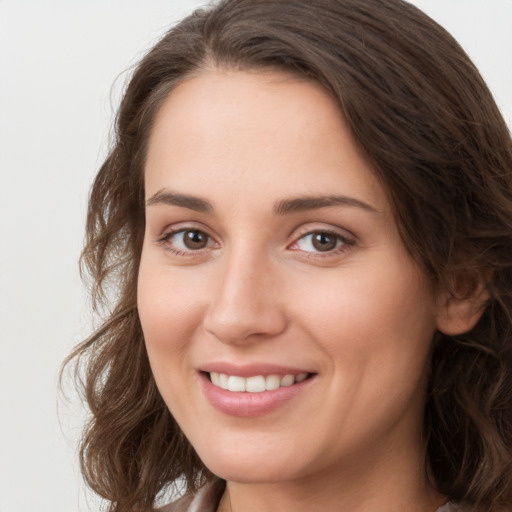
(243, 325)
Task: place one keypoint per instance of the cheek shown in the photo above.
(170, 305)
(169, 312)
(376, 331)
(381, 319)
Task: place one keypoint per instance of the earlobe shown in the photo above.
(461, 306)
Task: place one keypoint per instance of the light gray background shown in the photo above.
(58, 61)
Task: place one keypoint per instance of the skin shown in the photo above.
(361, 316)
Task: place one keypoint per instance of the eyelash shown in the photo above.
(163, 240)
(346, 243)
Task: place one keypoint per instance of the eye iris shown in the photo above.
(195, 239)
(324, 241)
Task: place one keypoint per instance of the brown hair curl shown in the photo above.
(429, 127)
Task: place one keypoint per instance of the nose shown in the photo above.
(245, 306)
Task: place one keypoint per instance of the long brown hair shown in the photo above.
(429, 127)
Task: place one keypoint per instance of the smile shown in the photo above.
(256, 383)
(261, 390)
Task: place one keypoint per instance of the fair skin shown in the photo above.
(238, 277)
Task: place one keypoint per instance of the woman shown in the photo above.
(308, 217)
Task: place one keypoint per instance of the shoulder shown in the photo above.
(452, 507)
(462, 507)
(181, 505)
(206, 499)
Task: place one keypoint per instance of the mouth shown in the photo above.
(259, 390)
(255, 383)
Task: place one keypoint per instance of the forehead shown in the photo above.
(253, 130)
(243, 106)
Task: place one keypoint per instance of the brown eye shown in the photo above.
(324, 241)
(186, 241)
(321, 242)
(195, 239)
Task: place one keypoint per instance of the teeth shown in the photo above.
(215, 377)
(272, 382)
(255, 384)
(236, 383)
(287, 380)
(223, 381)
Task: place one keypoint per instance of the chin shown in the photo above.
(251, 466)
(250, 472)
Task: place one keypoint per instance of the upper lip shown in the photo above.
(252, 369)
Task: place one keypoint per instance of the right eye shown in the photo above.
(186, 240)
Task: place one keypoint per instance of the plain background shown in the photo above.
(58, 61)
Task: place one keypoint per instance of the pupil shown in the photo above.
(324, 242)
(195, 239)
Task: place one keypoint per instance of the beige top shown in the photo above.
(208, 497)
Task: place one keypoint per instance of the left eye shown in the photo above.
(319, 241)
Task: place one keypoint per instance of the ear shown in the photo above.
(462, 302)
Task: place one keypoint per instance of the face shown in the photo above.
(272, 264)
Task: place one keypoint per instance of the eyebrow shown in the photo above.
(185, 201)
(304, 203)
(283, 207)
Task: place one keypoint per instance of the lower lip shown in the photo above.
(245, 404)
